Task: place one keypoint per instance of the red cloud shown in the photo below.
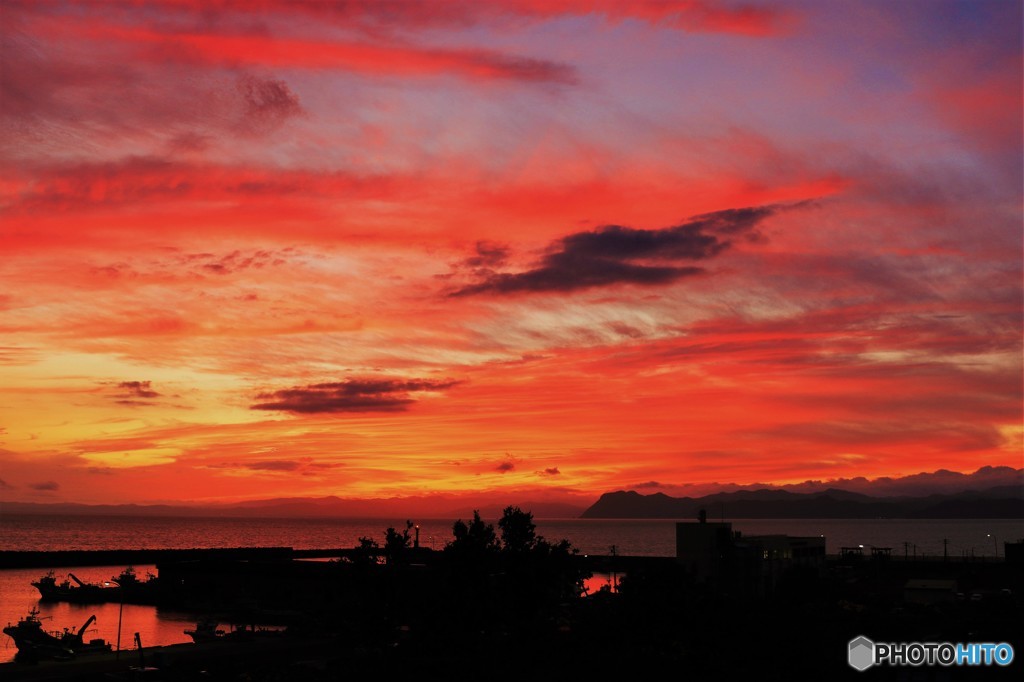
(375, 17)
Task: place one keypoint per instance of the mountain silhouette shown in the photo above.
(998, 502)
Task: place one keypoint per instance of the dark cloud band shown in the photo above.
(615, 254)
(356, 395)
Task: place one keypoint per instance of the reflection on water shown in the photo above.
(598, 581)
(155, 628)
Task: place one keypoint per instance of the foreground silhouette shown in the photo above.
(501, 602)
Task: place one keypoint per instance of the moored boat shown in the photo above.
(34, 642)
(206, 630)
(78, 592)
(126, 587)
(135, 590)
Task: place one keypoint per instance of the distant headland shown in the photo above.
(1003, 502)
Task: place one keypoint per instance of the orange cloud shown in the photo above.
(786, 248)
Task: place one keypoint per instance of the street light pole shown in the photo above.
(120, 612)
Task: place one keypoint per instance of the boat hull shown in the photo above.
(35, 643)
(126, 588)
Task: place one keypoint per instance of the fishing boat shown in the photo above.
(78, 592)
(126, 587)
(136, 590)
(34, 642)
(206, 630)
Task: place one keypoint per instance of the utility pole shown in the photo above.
(945, 552)
(120, 612)
(615, 581)
(906, 548)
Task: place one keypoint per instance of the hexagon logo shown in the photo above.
(861, 653)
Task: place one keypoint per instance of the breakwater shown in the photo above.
(125, 557)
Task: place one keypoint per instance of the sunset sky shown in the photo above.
(543, 248)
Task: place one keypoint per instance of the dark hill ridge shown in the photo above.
(1004, 502)
(989, 492)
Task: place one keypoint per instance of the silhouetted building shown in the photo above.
(713, 554)
(704, 549)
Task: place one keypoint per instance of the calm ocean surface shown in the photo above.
(644, 537)
(980, 538)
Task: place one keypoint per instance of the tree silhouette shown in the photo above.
(396, 544)
(366, 553)
(518, 531)
(513, 582)
(475, 539)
